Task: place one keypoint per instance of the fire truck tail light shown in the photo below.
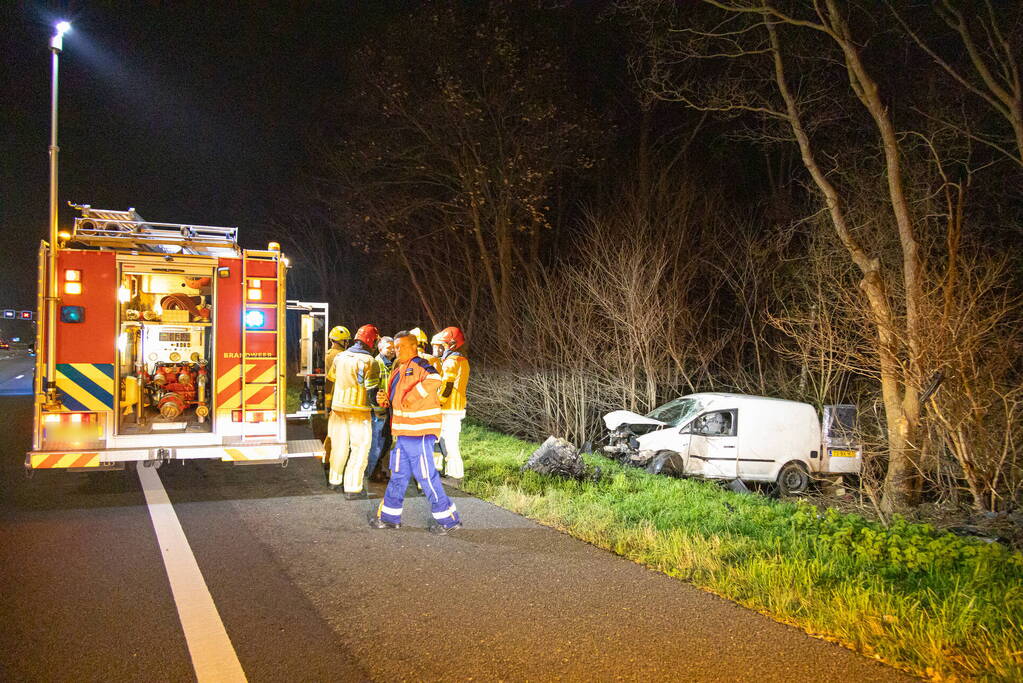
(254, 416)
(72, 430)
(72, 282)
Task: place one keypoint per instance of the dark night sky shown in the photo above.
(189, 112)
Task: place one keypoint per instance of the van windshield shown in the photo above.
(676, 413)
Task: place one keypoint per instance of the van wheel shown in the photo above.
(793, 479)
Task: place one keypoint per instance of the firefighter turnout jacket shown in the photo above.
(355, 374)
(455, 371)
(415, 404)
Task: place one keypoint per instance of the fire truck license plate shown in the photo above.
(843, 454)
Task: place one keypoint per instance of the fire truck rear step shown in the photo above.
(305, 447)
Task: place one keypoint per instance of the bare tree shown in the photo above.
(748, 47)
(985, 62)
(456, 168)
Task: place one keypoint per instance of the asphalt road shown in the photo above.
(16, 370)
(306, 591)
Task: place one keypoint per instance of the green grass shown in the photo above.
(293, 394)
(932, 603)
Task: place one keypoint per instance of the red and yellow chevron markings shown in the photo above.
(260, 384)
(64, 460)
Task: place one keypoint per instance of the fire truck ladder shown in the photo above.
(128, 230)
(274, 309)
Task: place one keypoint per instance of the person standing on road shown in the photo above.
(423, 347)
(340, 337)
(349, 428)
(455, 377)
(384, 361)
(412, 394)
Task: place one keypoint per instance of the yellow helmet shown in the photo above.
(340, 334)
(419, 335)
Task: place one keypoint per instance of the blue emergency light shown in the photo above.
(72, 314)
(254, 319)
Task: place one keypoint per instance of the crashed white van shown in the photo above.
(734, 436)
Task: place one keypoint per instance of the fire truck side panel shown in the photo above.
(85, 351)
(261, 415)
(229, 322)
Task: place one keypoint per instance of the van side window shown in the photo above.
(719, 423)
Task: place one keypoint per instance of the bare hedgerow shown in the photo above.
(638, 313)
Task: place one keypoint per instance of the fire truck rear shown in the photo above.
(168, 343)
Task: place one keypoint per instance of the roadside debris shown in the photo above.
(558, 457)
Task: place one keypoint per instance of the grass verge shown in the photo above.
(932, 603)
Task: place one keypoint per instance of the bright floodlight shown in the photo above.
(63, 27)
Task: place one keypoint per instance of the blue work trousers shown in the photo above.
(377, 445)
(412, 456)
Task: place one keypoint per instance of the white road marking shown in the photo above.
(213, 656)
(19, 376)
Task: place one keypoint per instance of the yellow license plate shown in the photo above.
(843, 454)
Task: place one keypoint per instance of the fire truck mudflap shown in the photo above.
(169, 344)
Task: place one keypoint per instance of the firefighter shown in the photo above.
(349, 428)
(384, 360)
(434, 360)
(437, 348)
(415, 424)
(440, 453)
(339, 337)
(455, 377)
(423, 347)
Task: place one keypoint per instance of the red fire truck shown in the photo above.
(168, 343)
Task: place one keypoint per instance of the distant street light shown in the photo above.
(56, 45)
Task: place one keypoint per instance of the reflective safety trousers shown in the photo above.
(412, 456)
(351, 434)
(450, 430)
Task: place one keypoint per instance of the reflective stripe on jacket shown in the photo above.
(415, 405)
(355, 374)
(384, 371)
(456, 372)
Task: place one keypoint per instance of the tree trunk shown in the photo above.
(901, 468)
(415, 284)
(903, 480)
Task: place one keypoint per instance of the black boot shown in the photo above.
(377, 523)
(438, 530)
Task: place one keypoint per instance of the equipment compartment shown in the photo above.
(165, 345)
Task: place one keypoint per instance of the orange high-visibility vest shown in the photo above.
(415, 405)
